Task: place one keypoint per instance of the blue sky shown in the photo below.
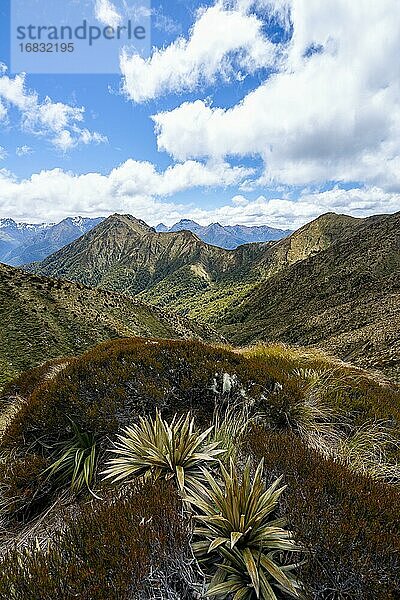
(249, 111)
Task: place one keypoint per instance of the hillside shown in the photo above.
(42, 319)
(177, 270)
(338, 499)
(332, 283)
(125, 254)
(172, 270)
(24, 243)
(346, 299)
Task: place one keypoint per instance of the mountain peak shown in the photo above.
(215, 226)
(131, 222)
(8, 223)
(186, 224)
(228, 236)
(331, 217)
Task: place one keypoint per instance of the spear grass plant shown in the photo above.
(76, 464)
(154, 448)
(242, 545)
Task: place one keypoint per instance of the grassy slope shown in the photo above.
(43, 319)
(345, 299)
(124, 254)
(332, 283)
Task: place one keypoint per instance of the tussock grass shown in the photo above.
(230, 426)
(369, 450)
(335, 408)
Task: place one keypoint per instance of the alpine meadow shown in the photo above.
(200, 300)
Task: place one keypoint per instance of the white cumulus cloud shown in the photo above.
(134, 187)
(139, 189)
(331, 113)
(287, 213)
(224, 42)
(59, 122)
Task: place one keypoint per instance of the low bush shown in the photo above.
(24, 491)
(349, 523)
(124, 548)
(117, 381)
(110, 387)
(361, 395)
(25, 383)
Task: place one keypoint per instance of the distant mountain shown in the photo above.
(13, 235)
(125, 254)
(24, 243)
(43, 319)
(21, 230)
(227, 236)
(209, 297)
(188, 225)
(333, 283)
(177, 270)
(161, 228)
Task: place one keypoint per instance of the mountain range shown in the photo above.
(24, 243)
(333, 283)
(227, 236)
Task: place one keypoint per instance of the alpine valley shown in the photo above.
(332, 284)
(200, 300)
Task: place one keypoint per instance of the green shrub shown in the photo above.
(114, 384)
(108, 388)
